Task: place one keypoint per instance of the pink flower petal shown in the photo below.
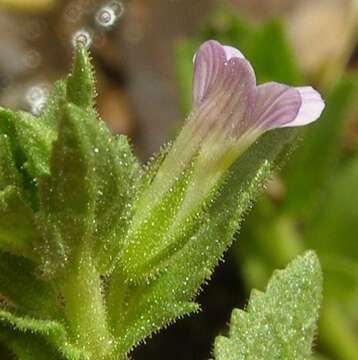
(229, 101)
(210, 62)
(226, 100)
(276, 106)
(280, 105)
(231, 52)
(311, 108)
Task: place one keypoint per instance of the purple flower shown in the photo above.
(229, 113)
(226, 96)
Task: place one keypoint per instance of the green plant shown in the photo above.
(69, 191)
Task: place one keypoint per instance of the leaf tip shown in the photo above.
(80, 83)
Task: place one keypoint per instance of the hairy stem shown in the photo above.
(85, 310)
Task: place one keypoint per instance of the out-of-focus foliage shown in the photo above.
(34, 6)
(313, 204)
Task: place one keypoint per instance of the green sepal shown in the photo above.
(152, 234)
(116, 176)
(190, 267)
(26, 337)
(280, 323)
(138, 311)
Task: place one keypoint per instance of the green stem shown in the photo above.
(85, 310)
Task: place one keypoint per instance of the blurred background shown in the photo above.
(142, 51)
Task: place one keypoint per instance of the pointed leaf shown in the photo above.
(80, 83)
(27, 335)
(67, 195)
(280, 323)
(88, 195)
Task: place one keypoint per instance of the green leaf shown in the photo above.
(80, 83)
(51, 112)
(20, 286)
(27, 347)
(6, 123)
(117, 174)
(18, 233)
(9, 174)
(138, 311)
(10, 151)
(30, 141)
(67, 196)
(87, 197)
(32, 339)
(35, 139)
(310, 168)
(280, 323)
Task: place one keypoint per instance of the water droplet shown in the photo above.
(105, 17)
(36, 97)
(82, 37)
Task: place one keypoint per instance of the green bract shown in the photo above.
(280, 323)
(69, 191)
